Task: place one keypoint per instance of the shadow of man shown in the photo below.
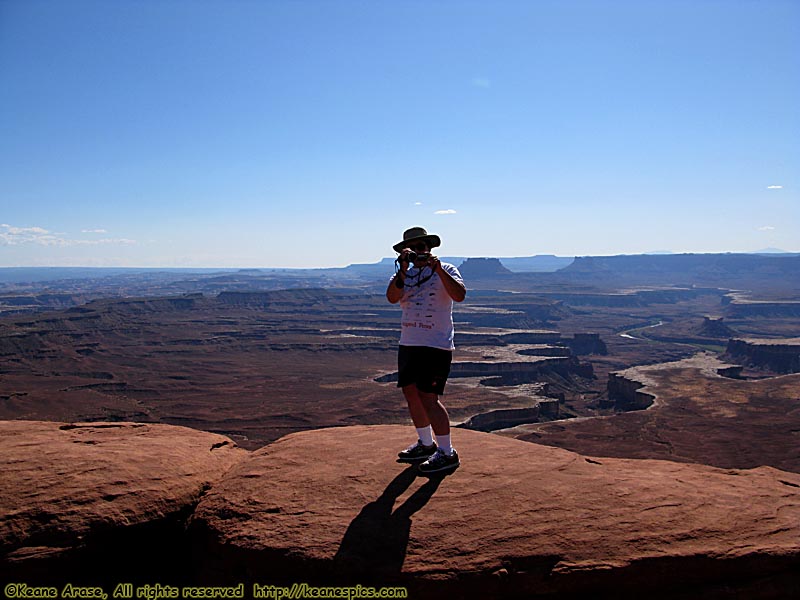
(374, 546)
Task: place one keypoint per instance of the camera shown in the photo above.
(414, 256)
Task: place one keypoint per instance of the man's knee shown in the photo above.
(410, 390)
(413, 395)
(428, 399)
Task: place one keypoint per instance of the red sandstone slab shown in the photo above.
(63, 483)
(520, 518)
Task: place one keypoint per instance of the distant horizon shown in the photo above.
(764, 252)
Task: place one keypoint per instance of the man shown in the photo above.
(426, 292)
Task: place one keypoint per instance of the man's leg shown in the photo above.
(446, 459)
(432, 384)
(435, 412)
(440, 420)
(418, 414)
(415, 406)
(422, 423)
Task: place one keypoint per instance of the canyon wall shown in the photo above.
(502, 418)
(745, 309)
(623, 391)
(779, 355)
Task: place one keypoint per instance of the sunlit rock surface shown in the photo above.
(516, 519)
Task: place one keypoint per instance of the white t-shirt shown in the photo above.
(427, 309)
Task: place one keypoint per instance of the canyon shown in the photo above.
(623, 364)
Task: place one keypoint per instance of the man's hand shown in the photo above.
(454, 289)
(404, 259)
(396, 286)
(435, 264)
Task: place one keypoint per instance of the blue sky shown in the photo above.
(299, 133)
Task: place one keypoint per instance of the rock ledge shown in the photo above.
(516, 519)
(81, 500)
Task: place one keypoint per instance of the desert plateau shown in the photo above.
(628, 428)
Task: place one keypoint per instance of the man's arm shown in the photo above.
(394, 293)
(456, 290)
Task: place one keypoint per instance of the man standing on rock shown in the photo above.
(425, 287)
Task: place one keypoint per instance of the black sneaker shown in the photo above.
(440, 462)
(416, 452)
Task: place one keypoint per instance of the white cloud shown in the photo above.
(24, 230)
(16, 236)
(774, 187)
(417, 203)
(481, 82)
(13, 236)
(104, 242)
(94, 231)
(766, 228)
(449, 211)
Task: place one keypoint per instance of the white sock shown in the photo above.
(425, 435)
(444, 443)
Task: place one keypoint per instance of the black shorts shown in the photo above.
(426, 367)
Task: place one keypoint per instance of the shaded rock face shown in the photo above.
(616, 300)
(781, 356)
(514, 372)
(505, 417)
(623, 391)
(726, 270)
(548, 523)
(739, 309)
(531, 337)
(24, 344)
(587, 343)
(476, 268)
(300, 297)
(12, 304)
(697, 415)
(715, 328)
(85, 501)
(525, 369)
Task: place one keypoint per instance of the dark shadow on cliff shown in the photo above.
(375, 543)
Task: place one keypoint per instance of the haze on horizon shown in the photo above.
(311, 134)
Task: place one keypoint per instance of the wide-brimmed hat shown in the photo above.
(417, 234)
